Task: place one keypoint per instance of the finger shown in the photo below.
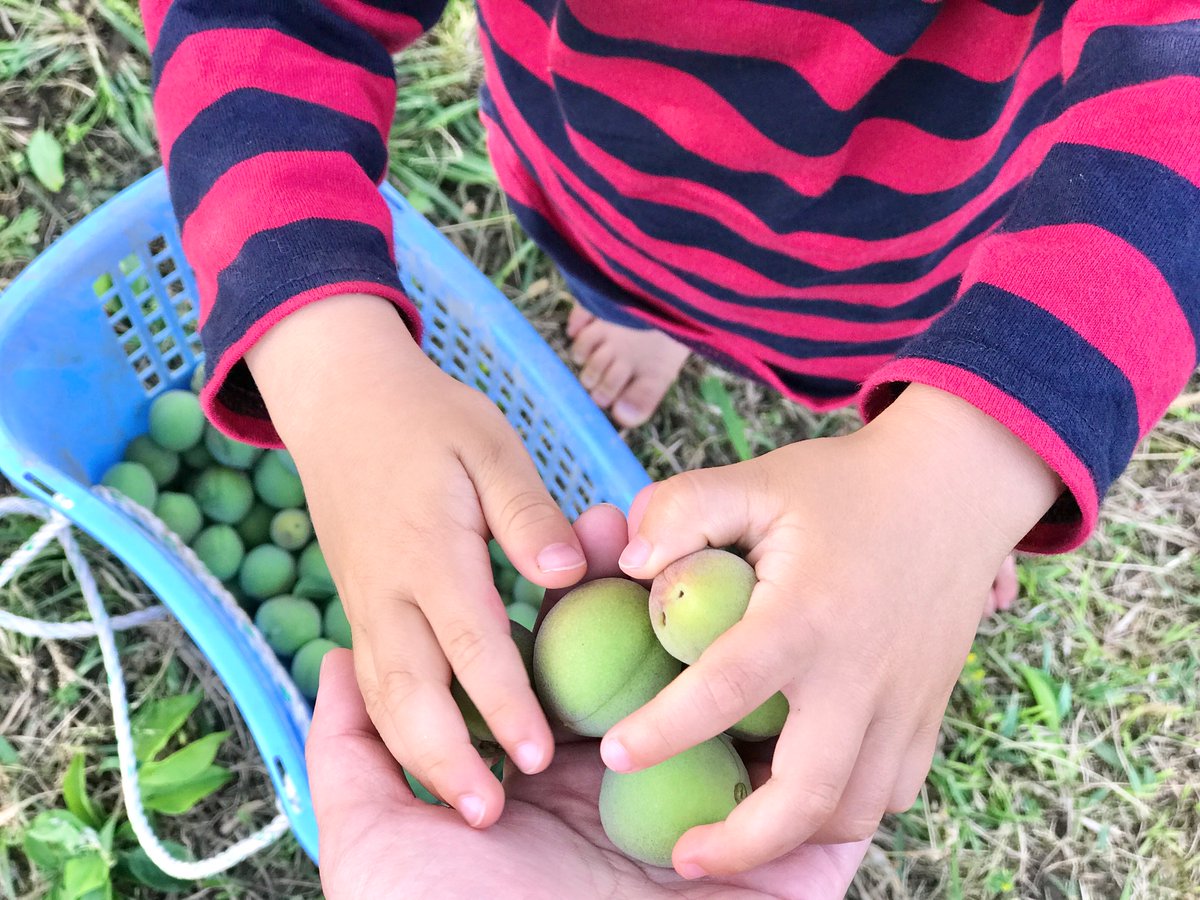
(867, 794)
(693, 510)
(464, 609)
(637, 509)
(602, 536)
(577, 319)
(590, 337)
(732, 678)
(914, 768)
(595, 367)
(615, 378)
(405, 685)
(813, 761)
(349, 767)
(521, 514)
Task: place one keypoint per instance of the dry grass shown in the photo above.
(1097, 798)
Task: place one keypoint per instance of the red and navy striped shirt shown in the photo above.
(999, 198)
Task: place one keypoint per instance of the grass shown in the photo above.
(1070, 760)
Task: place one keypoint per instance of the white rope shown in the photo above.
(102, 626)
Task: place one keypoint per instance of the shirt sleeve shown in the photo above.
(1077, 319)
(273, 118)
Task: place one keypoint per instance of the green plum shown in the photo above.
(697, 598)
(596, 659)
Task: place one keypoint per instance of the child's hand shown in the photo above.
(407, 473)
(874, 554)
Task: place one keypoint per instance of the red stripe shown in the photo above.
(1159, 120)
(299, 184)
(701, 121)
(209, 64)
(833, 252)
(880, 390)
(663, 316)
(1085, 17)
(153, 13)
(1107, 291)
(838, 62)
(1161, 134)
(261, 432)
(995, 49)
(584, 228)
(395, 30)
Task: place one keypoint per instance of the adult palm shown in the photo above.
(377, 840)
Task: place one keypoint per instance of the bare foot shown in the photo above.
(1004, 589)
(626, 370)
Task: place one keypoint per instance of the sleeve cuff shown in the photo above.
(1073, 517)
(231, 399)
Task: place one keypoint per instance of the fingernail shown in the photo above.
(559, 558)
(588, 380)
(615, 756)
(626, 412)
(635, 554)
(690, 871)
(471, 808)
(528, 757)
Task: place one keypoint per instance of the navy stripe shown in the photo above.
(817, 386)
(264, 122)
(427, 12)
(1033, 356)
(279, 263)
(595, 283)
(276, 265)
(1014, 7)
(674, 225)
(950, 104)
(1147, 53)
(1079, 183)
(307, 21)
(853, 207)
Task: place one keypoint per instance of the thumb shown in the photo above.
(523, 517)
(350, 771)
(693, 510)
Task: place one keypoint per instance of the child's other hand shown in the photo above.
(875, 553)
(407, 473)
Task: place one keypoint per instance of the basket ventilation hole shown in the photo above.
(39, 485)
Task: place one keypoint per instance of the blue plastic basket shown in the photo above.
(104, 320)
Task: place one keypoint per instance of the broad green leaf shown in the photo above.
(107, 833)
(136, 865)
(87, 877)
(177, 799)
(1044, 695)
(714, 393)
(45, 157)
(75, 794)
(8, 753)
(156, 723)
(184, 764)
(56, 835)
